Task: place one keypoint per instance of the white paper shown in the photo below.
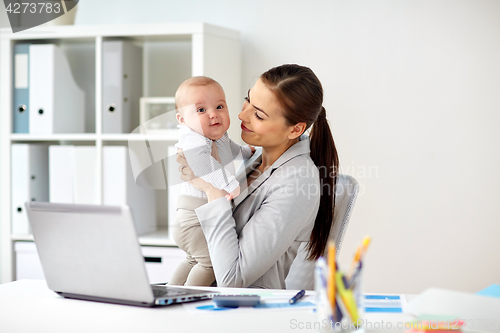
(21, 71)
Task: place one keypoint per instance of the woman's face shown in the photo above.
(262, 121)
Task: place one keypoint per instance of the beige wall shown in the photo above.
(412, 90)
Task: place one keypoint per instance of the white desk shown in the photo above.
(29, 306)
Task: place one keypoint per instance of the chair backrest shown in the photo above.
(301, 275)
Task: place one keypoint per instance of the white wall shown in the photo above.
(412, 90)
(4, 20)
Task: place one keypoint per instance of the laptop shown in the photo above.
(91, 252)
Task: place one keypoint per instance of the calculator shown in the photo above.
(234, 301)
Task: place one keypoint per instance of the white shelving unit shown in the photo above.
(171, 54)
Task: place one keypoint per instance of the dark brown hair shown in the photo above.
(300, 93)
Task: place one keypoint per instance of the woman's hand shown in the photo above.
(188, 175)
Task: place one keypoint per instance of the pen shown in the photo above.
(344, 281)
(354, 278)
(299, 295)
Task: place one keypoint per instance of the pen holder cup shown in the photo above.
(348, 313)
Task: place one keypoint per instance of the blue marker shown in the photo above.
(299, 295)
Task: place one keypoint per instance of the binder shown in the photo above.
(57, 103)
(21, 96)
(61, 173)
(73, 174)
(174, 187)
(119, 188)
(30, 181)
(85, 178)
(122, 86)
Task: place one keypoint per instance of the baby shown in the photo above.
(203, 121)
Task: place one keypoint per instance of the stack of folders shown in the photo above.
(72, 174)
(339, 294)
(119, 188)
(155, 166)
(67, 174)
(73, 180)
(46, 97)
(30, 181)
(122, 86)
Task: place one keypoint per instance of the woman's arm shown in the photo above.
(239, 260)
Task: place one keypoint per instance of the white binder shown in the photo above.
(73, 174)
(122, 86)
(120, 188)
(56, 102)
(61, 173)
(174, 187)
(85, 189)
(30, 182)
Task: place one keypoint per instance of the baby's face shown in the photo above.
(204, 110)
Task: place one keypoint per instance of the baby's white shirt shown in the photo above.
(198, 152)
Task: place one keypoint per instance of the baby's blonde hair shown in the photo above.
(195, 81)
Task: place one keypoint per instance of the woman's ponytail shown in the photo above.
(300, 92)
(324, 155)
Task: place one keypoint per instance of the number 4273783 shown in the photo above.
(33, 8)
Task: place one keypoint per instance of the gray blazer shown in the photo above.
(253, 242)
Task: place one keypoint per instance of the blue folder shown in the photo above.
(492, 291)
(21, 96)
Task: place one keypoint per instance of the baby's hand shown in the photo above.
(252, 148)
(233, 194)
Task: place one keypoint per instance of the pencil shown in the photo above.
(366, 243)
(331, 276)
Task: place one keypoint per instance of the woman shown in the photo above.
(288, 200)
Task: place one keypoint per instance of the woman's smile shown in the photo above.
(244, 128)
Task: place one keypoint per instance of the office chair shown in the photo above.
(301, 274)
